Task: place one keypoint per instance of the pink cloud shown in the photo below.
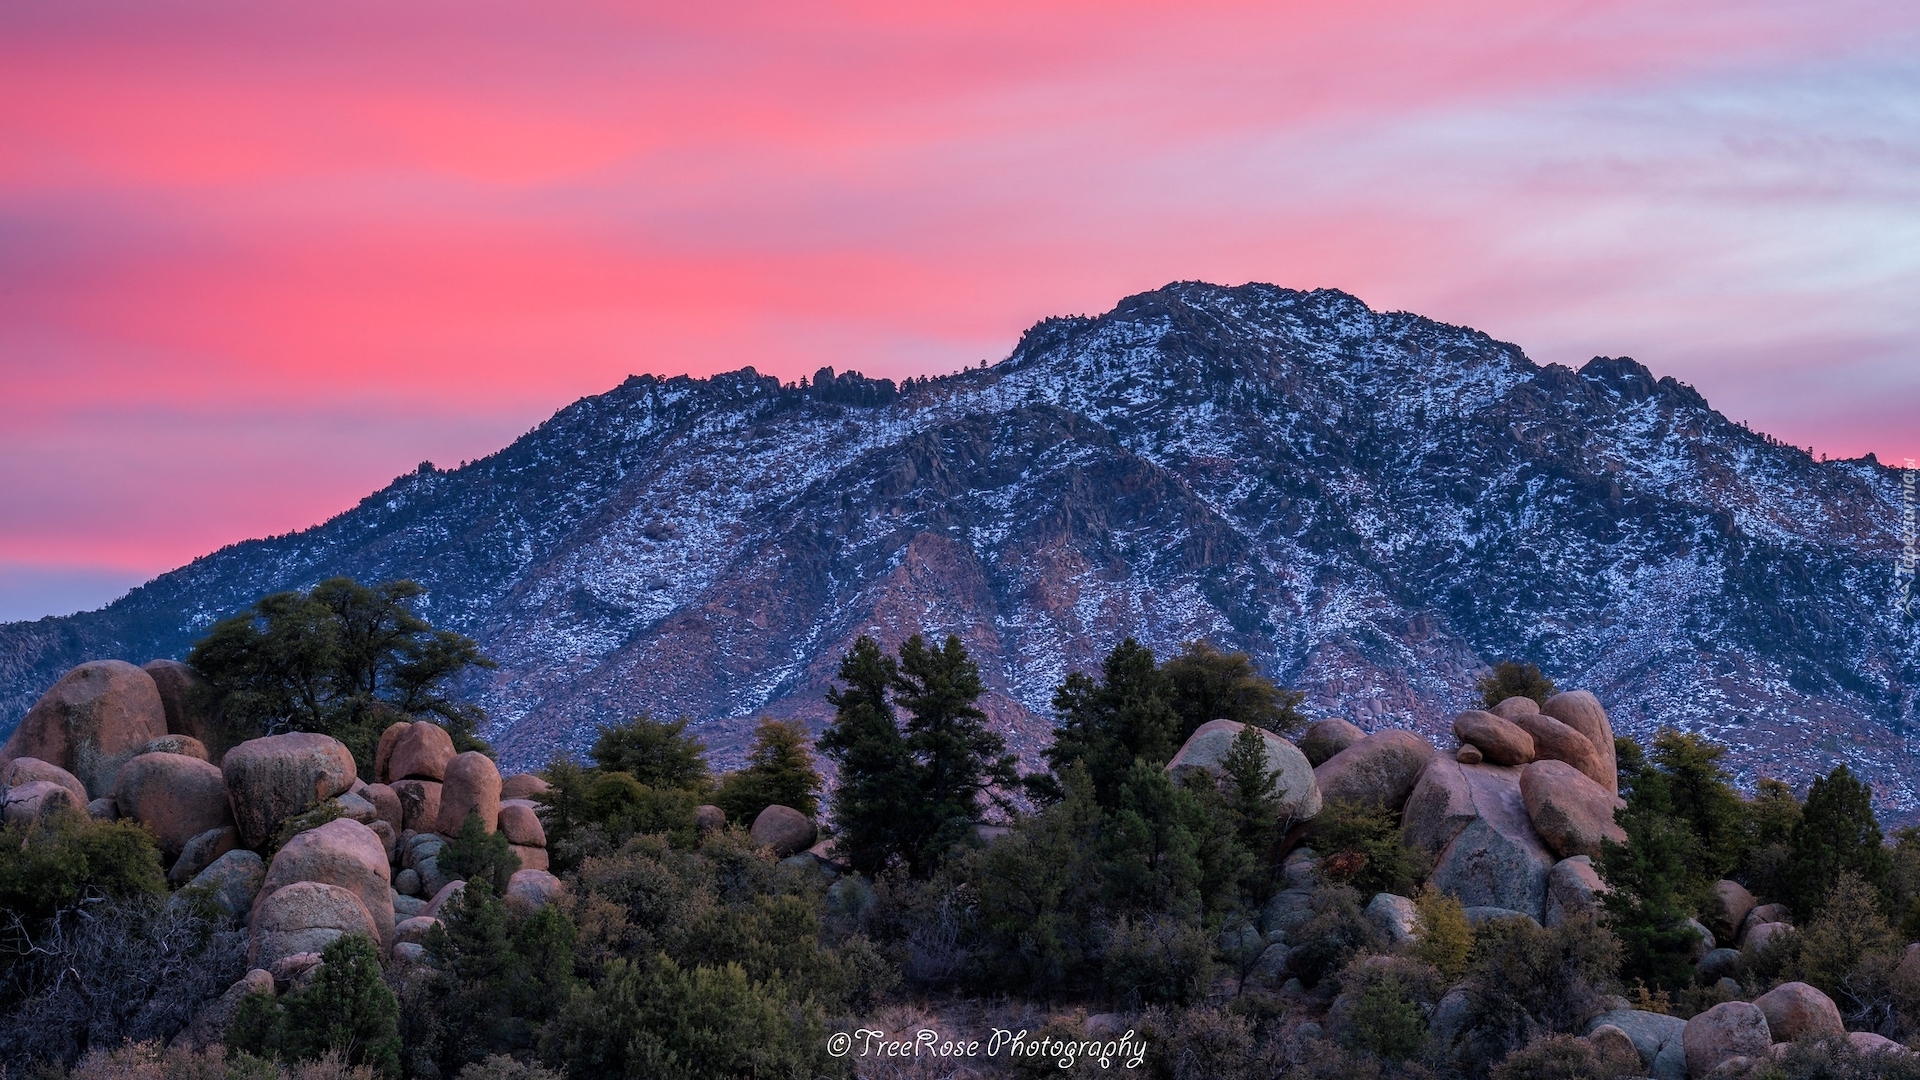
(451, 219)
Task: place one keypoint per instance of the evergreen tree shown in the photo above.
(496, 977)
(1837, 833)
(779, 771)
(1205, 684)
(877, 790)
(1510, 678)
(1127, 715)
(344, 659)
(347, 1009)
(1251, 789)
(1703, 798)
(1648, 884)
(656, 754)
(959, 758)
(478, 854)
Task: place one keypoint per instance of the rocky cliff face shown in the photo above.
(1373, 504)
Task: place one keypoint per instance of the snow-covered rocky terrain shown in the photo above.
(1373, 504)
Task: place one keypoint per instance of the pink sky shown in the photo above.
(257, 259)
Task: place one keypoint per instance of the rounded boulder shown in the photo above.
(35, 799)
(1728, 1030)
(1795, 1010)
(1325, 738)
(305, 917)
(708, 817)
(521, 824)
(472, 786)
(1500, 741)
(272, 779)
(232, 882)
(344, 854)
(530, 889)
(1555, 741)
(184, 745)
(1581, 711)
(26, 770)
(1518, 705)
(422, 752)
(97, 717)
(523, 786)
(1726, 908)
(783, 829)
(176, 797)
(186, 700)
(1206, 751)
(1379, 770)
(419, 804)
(1569, 811)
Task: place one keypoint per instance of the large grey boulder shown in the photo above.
(1657, 1037)
(1473, 819)
(1379, 770)
(1206, 751)
(1395, 916)
(92, 721)
(231, 884)
(305, 917)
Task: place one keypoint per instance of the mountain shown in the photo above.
(1375, 505)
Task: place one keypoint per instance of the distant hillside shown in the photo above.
(1374, 505)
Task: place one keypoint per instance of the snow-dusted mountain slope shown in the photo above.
(1374, 505)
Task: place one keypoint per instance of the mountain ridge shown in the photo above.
(1372, 503)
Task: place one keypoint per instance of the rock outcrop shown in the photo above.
(1206, 751)
(1795, 1010)
(97, 717)
(1473, 820)
(1570, 812)
(1728, 1030)
(1500, 741)
(1581, 711)
(1325, 738)
(1379, 770)
(272, 779)
(343, 854)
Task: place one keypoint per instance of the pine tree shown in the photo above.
(1204, 683)
(877, 790)
(1703, 798)
(779, 771)
(657, 754)
(959, 758)
(1648, 881)
(1127, 715)
(1837, 832)
(1251, 789)
(1510, 678)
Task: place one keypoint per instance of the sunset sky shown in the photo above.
(256, 259)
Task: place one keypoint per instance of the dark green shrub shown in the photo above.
(50, 864)
(779, 771)
(1525, 981)
(655, 754)
(1510, 678)
(497, 977)
(1204, 683)
(347, 1009)
(1360, 846)
(478, 854)
(1333, 934)
(1565, 1057)
(1836, 833)
(1149, 959)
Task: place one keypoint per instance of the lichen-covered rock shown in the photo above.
(1499, 740)
(186, 701)
(422, 752)
(419, 804)
(783, 829)
(1269, 969)
(386, 805)
(1795, 1010)
(1581, 711)
(272, 779)
(1394, 916)
(200, 852)
(1729, 1029)
(1474, 820)
(184, 745)
(232, 882)
(472, 786)
(1572, 814)
(345, 854)
(174, 796)
(1325, 738)
(1379, 770)
(406, 883)
(708, 818)
(34, 800)
(1573, 892)
(27, 769)
(1206, 751)
(306, 917)
(528, 889)
(92, 721)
